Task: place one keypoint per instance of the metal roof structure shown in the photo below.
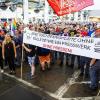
(32, 3)
(20, 1)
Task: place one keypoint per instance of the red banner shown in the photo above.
(62, 7)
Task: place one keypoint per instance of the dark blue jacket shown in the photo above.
(42, 51)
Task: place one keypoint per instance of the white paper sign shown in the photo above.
(83, 46)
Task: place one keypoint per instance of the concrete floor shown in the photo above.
(11, 89)
(61, 83)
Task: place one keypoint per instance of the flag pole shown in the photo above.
(22, 63)
(22, 52)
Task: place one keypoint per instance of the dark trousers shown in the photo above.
(73, 60)
(84, 61)
(11, 64)
(1, 62)
(18, 59)
(53, 57)
(61, 57)
(94, 75)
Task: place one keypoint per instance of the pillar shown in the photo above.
(46, 12)
(25, 11)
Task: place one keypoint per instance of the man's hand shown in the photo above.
(92, 62)
(29, 50)
(15, 56)
(23, 45)
(3, 57)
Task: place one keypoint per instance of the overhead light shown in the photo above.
(36, 10)
(3, 6)
(13, 8)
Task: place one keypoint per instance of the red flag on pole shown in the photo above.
(62, 7)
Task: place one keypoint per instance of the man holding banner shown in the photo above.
(95, 68)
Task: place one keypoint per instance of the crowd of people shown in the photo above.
(11, 49)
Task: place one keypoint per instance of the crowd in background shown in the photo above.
(11, 48)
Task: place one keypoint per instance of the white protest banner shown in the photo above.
(83, 46)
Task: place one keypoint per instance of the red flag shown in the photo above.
(62, 7)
